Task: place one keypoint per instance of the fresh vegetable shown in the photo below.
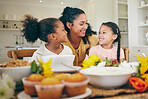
(34, 67)
(42, 68)
(111, 62)
(138, 83)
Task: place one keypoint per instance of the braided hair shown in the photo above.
(115, 30)
(69, 15)
(32, 29)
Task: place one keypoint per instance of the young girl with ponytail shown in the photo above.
(49, 30)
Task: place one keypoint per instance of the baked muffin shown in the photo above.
(62, 76)
(29, 83)
(76, 84)
(49, 88)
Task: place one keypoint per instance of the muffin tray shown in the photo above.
(23, 95)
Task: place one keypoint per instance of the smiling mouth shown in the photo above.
(101, 39)
(83, 32)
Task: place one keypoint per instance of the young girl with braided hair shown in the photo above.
(109, 33)
(49, 30)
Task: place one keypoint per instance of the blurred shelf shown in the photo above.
(16, 20)
(123, 3)
(144, 46)
(9, 29)
(124, 33)
(143, 25)
(125, 18)
(143, 7)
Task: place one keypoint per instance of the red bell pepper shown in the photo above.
(138, 83)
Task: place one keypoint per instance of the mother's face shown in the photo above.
(79, 26)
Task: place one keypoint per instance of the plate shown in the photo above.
(23, 95)
(67, 69)
(58, 60)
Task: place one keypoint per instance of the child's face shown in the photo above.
(106, 35)
(79, 26)
(61, 33)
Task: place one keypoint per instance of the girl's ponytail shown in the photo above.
(30, 28)
(118, 47)
(118, 51)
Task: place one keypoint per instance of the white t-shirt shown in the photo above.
(43, 51)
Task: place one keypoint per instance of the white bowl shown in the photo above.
(108, 77)
(17, 73)
(59, 61)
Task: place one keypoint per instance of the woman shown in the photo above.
(80, 36)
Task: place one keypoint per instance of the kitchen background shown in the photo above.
(130, 15)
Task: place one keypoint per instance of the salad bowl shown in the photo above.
(107, 77)
(17, 73)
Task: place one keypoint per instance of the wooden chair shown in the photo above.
(15, 54)
(126, 53)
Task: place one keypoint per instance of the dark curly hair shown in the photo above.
(69, 15)
(115, 30)
(32, 29)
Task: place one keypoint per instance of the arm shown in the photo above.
(35, 57)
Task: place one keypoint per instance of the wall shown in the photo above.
(99, 11)
(20, 10)
(9, 37)
(35, 10)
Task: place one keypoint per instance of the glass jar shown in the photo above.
(142, 2)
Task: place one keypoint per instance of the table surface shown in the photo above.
(120, 93)
(125, 92)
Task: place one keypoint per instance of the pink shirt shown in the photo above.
(109, 53)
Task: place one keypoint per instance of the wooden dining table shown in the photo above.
(124, 92)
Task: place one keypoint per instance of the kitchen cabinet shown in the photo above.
(142, 13)
(10, 24)
(121, 15)
(137, 28)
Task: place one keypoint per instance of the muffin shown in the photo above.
(62, 76)
(49, 88)
(29, 83)
(76, 84)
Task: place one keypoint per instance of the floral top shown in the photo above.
(82, 50)
(109, 53)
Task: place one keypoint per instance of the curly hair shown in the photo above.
(69, 15)
(115, 30)
(32, 29)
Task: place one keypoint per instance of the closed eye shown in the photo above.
(104, 32)
(83, 23)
